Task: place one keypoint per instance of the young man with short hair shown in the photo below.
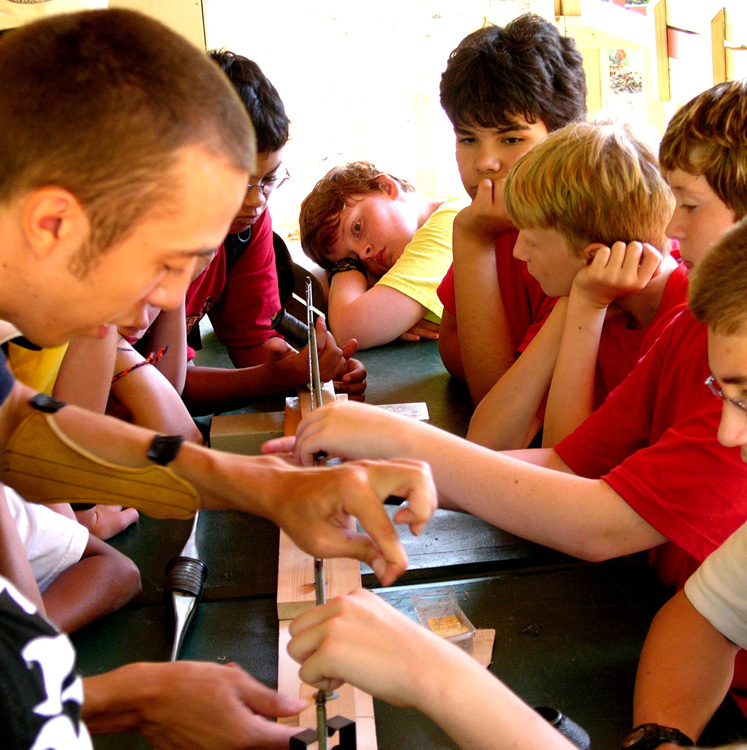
(124, 156)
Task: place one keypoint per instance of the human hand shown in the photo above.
(616, 272)
(314, 507)
(362, 640)
(423, 329)
(353, 380)
(346, 430)
(484, 219)
(106, 521)
(188, 705)
(290, 368)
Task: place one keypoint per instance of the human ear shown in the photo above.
(389, 185)
(590, 251)
(50, 217)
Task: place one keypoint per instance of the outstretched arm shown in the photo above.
(362, 640)
(216, 389)
(530, 493)
(685, 670)
(312, 505)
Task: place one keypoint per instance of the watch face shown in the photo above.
(635, 736)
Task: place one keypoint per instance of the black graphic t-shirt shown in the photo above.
(41, 694)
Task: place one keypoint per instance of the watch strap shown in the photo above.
(650, 736)
(347, 264)
(164, 448)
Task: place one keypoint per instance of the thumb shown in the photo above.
(278, 348)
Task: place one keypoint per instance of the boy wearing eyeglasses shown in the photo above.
(645, 471)
(688, 660)
(238, 289)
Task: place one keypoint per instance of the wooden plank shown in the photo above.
(718, 52)
(296, 592)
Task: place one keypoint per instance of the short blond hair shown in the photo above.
(718, 286)
(708, 136)
(591, 183)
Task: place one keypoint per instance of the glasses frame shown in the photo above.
(710, 383)
(281, 176)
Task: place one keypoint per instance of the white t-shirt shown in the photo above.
(718, 588)
(52, 541)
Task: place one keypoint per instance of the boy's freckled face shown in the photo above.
(700, 216)
(549, 260)
(727, 356)
(483, 153)
(375, 228)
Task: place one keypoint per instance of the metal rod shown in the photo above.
(315, 379)
(185, 579)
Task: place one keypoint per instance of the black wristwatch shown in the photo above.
(346, 264)
(649, 736)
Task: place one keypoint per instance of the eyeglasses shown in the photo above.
(716, 391)
(271, 183)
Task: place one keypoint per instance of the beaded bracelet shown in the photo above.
(151, 359)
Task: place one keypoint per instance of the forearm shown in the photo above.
(685, 670)
(480, 713)
(373, 317)
(570, 400)
(448, 346)
(215, 389)
(152, 402)
(85, 375)
(169, 329)
(486, 342)
(247, 356)
(582, 517)
(218, 478)
(506, 418)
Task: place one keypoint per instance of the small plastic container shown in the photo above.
(438, 611)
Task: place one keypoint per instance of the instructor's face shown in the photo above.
(151, 266)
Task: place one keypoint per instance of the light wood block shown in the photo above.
(296, 591)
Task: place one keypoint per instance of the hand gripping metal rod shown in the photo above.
(185, 579)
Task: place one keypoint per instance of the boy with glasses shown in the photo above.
(238, 290)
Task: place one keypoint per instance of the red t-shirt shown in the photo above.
(621, 347)
(527, 306)
(654, 442)
(242, 303)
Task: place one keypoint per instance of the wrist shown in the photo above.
(344, 265)
(114, 701)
